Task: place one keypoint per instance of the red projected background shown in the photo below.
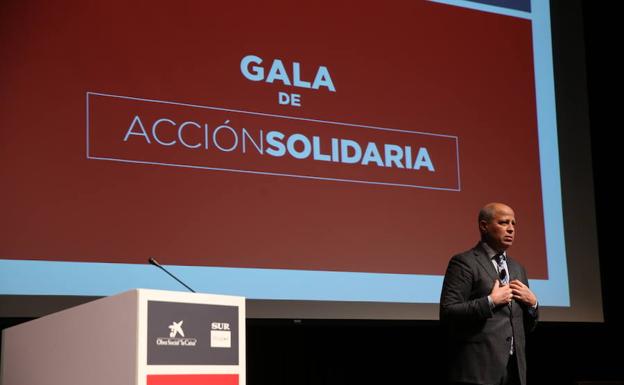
(97, 164)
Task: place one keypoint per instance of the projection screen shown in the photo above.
(322, 159)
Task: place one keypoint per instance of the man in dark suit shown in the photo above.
(487, 306)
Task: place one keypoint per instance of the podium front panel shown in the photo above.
(190, 339)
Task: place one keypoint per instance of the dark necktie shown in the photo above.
(502, 272)
(504, 279)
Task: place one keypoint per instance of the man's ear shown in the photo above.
(482, 226)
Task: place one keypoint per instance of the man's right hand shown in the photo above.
(501, 295)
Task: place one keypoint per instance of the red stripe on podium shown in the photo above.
(192, 379)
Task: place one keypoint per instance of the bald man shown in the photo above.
(487, 306)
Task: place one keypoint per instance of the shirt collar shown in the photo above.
(491, 253)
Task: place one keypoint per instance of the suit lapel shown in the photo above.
(513, 269)
(513, 274)
(485, 261)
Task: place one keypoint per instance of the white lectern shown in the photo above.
(139, 337)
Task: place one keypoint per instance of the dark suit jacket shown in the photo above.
(480, 337)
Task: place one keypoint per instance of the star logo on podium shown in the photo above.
(176, 328)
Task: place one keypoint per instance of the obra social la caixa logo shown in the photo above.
(173, 339)
(220, 336)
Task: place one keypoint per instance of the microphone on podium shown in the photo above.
(154, 262)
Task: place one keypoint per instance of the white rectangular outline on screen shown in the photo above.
(88, 123)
